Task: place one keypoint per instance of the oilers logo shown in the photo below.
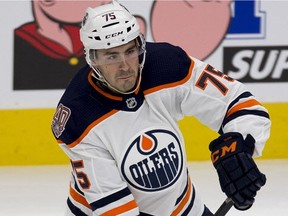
(153, 161)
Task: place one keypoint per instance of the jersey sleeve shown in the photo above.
(97, 183)
(224, 104)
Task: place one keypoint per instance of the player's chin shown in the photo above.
(127, 86)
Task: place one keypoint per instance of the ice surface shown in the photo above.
(42, 190)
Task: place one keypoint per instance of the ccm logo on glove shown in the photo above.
(223, 151)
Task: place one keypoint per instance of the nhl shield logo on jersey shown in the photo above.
(131, 103)
(153, 161)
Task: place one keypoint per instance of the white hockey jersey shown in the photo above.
(127, 152)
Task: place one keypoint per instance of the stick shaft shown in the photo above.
(225, 207)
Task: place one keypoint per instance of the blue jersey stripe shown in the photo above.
(110, 199)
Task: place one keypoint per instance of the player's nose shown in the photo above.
(124, 63)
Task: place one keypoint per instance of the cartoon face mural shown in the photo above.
(48, 51)
(197, 26)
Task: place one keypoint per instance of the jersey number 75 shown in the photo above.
(212, 75)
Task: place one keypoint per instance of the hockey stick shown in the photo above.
(225, 207)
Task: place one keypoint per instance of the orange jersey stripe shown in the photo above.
(184, 201)
(169, 85)
(243, 105)
(71, 145)
(121, 209)
(59, 141)
(78, 197)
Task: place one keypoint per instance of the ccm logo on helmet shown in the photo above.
(153, 161)
(113, 35)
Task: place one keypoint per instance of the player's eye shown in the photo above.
(112, 58)
(131, 53)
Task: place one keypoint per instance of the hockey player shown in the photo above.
(118, 123)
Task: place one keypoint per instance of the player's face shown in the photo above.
(119, 65)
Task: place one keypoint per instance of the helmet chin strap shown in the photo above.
(98, 75)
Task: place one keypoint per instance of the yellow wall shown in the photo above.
(26, 138)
